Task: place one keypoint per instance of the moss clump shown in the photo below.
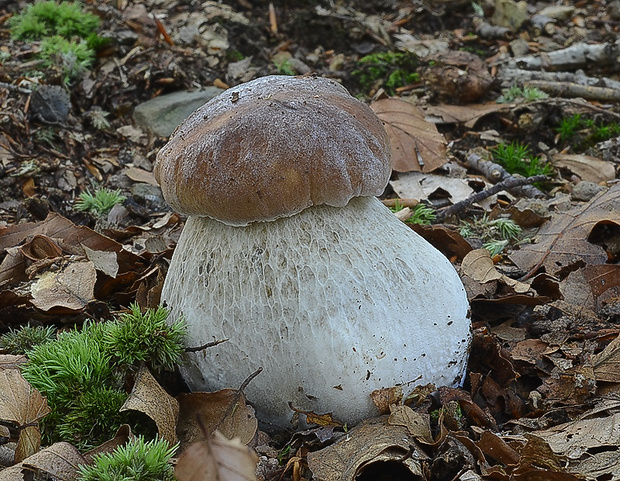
(67, 33)
(391, 69)
(20, 341)
(138, 460)
(84, 372)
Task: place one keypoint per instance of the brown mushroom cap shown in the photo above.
(271, 148)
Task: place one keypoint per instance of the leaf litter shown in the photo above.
(540, 398)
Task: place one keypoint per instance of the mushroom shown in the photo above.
(289, 256)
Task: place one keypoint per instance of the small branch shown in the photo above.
(507, 184)
(496, 173)
(205, 346)
(15, 88)
(233, 403)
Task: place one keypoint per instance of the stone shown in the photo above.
(585, 190)
(161, 115)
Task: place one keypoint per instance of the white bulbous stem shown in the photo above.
(332, 303)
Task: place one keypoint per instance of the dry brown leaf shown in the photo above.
(585, 167)
(60, 460)
(386, 397)
(371, 441)
(69, 237)
(462, 114)
(562, 242)
(418, 424)
(24, 406)
(225, 411)
(495, 447)
(217, 459)
(123, 436)
(604, 281)
(575, 438)
(148, 397)
(72, 287)
(606, 364)
(140, 175)
(416, 143)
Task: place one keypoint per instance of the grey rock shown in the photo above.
(161, 115)
(50, 104)
(585, 190)
(147, 194)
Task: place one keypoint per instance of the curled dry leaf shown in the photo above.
(58, 461)
(585, 167)
(416, 143)
(148, 397)
(369, 442)
(217, 459)
(22, 405)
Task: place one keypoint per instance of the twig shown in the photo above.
(15, 88)
(496, 173)
(205, 346)
(235, 400)
(509, 183)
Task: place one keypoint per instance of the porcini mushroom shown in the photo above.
(288, 255)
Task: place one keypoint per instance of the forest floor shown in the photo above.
(477, 98)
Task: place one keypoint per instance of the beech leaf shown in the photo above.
(416, 143)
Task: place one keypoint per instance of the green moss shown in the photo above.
(516, 158)
(99, 203)
(138, 460)
(44, 19)
(83, 373)
(138, 337)
(521, 93)
(67, 34)
(394, 69)
(583, 133)
(20, 341)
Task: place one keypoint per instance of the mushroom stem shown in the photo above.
(333, 303)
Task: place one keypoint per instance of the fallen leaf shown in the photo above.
(148, 397)
(60, 460)
(463, 114)
(371, 441)
(417, 424)
(575, 438)
(416, 143)
(72, 287)
(606, 364)
(585, 167)
(217, 459)
(225, 410)
(562, 243)
(24, 406)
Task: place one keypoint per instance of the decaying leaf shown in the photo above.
(217, 459)
(24, 406)
(418, 425)
(575, 438)
(72, 287)
(606, 363)
(563, 243)
(369, 442)
(225, 411)
(463, 114)
(585, 167)
(416, 143)
(60, 460)
(148, 397)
